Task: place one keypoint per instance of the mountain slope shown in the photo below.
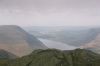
(15, 40)
(94, 45)
(53, 57)
(5, 57)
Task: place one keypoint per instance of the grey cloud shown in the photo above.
(50, 3)
(50, 12)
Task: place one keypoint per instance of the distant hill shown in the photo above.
(75, 36)
(15, 40)
(53, 57)
(94, 45)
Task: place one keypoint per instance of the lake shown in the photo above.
(57, 45)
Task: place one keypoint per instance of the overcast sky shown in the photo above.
(50, 12)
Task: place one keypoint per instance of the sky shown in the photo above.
(50, 12)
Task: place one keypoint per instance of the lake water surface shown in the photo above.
(57, 45)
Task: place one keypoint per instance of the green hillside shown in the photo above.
(53, 57)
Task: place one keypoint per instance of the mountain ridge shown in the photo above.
(15, 40)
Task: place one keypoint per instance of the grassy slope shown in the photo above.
(53, 57)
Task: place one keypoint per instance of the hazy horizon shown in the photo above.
(50, 12)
